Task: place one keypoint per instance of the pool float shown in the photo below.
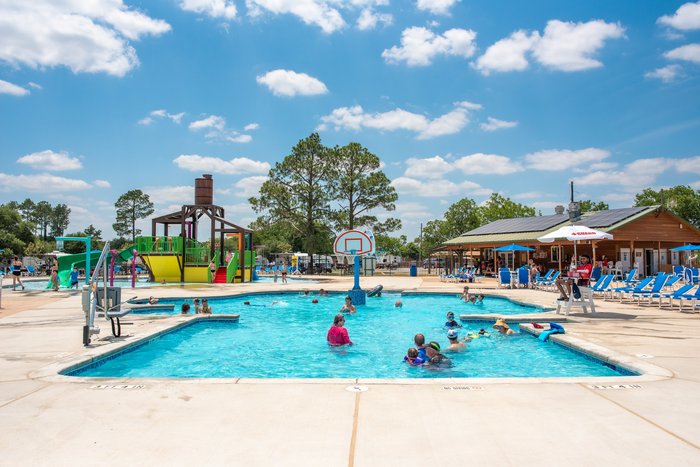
(375, 290)
(476, 335)
(554, 328)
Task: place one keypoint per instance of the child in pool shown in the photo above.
(451, 323)
(412, 357)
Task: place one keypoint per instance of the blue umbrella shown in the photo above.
(686, 248)
(513, 247)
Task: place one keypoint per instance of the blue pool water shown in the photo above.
(412, 303)
(288, 340)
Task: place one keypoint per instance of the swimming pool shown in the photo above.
(289, 341)
(412, 303)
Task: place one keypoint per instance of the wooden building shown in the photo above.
(642, 237)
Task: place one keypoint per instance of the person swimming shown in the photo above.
(323, 292)
(480, 299)
(451, 322)
(412, 357)
(465, 294)
(455, 345)
(502, 327)
(348, 307)
(435, 358)
(398, 304)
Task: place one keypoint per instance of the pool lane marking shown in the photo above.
(678, 437)
(353, 438)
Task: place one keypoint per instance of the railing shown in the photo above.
(197, 256)
(231, 268)
(159, 244)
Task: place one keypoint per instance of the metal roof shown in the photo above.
(599, 219)
(519, 224)
(605, 220)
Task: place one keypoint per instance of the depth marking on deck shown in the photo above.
(463, 388)
(118, 386)
(615, 386)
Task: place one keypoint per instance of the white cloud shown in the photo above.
(250, 186)
(51, 161)
(12, 89)
(412, 210)
(568, 46)
(102, 184)
(690, 52)
(177, 195)
(487, 164)
(213, 122)
(86, 37)
(369, 19)
(529, 195)
(564, 46)
(214, 8)
(431, 167)
(436, 7)
(666, 74)
(161, 113)
(420, 45)
(316, 12)
(494, 124)
(507, 54)
(686, 18)
(632, 176)
(251, 127)
(355, 118)
(240, 138)
(436, 188)
(290, 83)
(41, 183)
(237, 165)
(565, 159)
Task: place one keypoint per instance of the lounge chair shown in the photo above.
(662, 281)
(524, 276)
(679, 271)
(631, 278)
(504, 278)
(539, 280)
(692, 297)
(692, 275)
(603, 284)
(550, 282)
(630, 289)
(31, 271)
(596, 273)
(673, 295)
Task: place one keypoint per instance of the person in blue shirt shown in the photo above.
(419, 340)
(451, 323)
(74, 278)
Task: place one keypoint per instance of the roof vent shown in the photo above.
(559, 210)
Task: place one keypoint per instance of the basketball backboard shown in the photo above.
(354, 243)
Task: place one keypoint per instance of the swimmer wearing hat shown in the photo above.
(502, 327)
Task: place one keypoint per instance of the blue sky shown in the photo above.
(458, 98)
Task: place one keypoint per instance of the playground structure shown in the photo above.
(66, 263)
(181, 258)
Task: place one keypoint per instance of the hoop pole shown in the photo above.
(356, 286)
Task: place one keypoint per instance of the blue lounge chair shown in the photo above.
(673, 295)
(603, 283)
(524, 276)
(596, 273)
(630, 280)
(662, 280)
(630, 289)
(539, 280)
(504, 278)
(550, 282)
(692, 275)
(692, 297)
(679, 271)
(30, 270)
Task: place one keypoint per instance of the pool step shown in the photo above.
(220, 277)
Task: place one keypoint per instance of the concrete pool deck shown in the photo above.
(50, 420)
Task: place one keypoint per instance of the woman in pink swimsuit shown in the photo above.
(337, 334)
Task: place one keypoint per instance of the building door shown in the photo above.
(638, 261)
(625, 258)
(663, 259)
(651, 262)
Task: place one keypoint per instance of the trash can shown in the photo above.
(413, 270)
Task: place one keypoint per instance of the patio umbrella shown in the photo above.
(513, 247)
(575, 233)
(690, 247)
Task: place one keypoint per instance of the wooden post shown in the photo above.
(559, 255)
(593, 246)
